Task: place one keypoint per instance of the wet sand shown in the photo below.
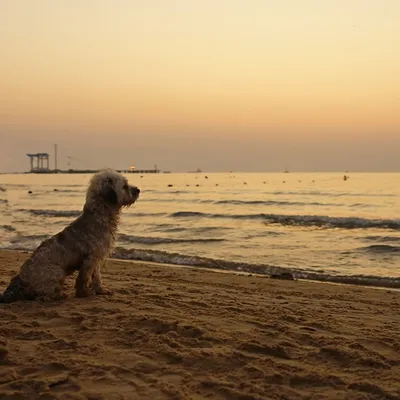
(185, 333)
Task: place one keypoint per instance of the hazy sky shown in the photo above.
(244, 85)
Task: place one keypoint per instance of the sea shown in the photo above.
(316, 226)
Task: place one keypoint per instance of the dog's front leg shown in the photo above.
(97, 282)
(83, 282)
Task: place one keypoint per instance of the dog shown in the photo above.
(82, 246)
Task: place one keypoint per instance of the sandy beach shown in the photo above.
(184, 333)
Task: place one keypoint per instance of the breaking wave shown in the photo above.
(262, 269)
(273, 203)
(381, 249)
(77, 213)
(24, 242)
(280, 219)
(163, 240)
(383, 239)
(53, 213)
(7, 228)
(332, 194)
(31, 242)
(143, 214)
(236, 202)
(301, 220)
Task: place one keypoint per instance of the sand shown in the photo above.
(185, 333)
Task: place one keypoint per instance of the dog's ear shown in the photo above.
(109, 195)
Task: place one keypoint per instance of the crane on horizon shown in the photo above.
(72, 158)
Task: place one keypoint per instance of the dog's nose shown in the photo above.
(135, 191)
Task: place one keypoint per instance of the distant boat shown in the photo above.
(198, 171)
(286, 171)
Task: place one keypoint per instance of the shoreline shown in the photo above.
(279, 273)
(191, 333)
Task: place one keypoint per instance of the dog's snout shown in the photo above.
(135, 191)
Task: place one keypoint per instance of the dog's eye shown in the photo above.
(125, 187)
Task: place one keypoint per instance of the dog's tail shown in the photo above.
(14, 292)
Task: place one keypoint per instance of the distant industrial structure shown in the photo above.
(133, 170)
(39, 164)
(38, 161)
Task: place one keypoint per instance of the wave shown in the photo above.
(282, 219)
(381, 249)
(29, 238)
(31, 242)
(383, 239)
(203, 229)
(275, 192)
(185, 214)
(171, 228)
(263, 234)
(265, 202)
(262, 269)
(66, 191)
(12, 185)
(235, 202)
(300, 220)
(330, 194)
(46, 191)
(72, 185)
(163, 240)
(53, 213)
(144, 214)
(169, 200)
(286, 203)
(76, 213)
(25, 243)
(359, 205)
(8, 228)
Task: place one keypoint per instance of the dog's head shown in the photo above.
(111, 189)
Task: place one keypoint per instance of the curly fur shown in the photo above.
(82, 246)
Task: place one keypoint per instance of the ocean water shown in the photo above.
(314, 225)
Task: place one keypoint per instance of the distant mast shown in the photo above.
(55, 157)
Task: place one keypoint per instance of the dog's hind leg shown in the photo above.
(15, 291)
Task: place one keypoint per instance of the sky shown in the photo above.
(242, 85)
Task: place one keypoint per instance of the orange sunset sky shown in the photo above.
(244, 85)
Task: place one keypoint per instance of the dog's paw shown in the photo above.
(60, 296)
(104, 291)
(83, 292)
